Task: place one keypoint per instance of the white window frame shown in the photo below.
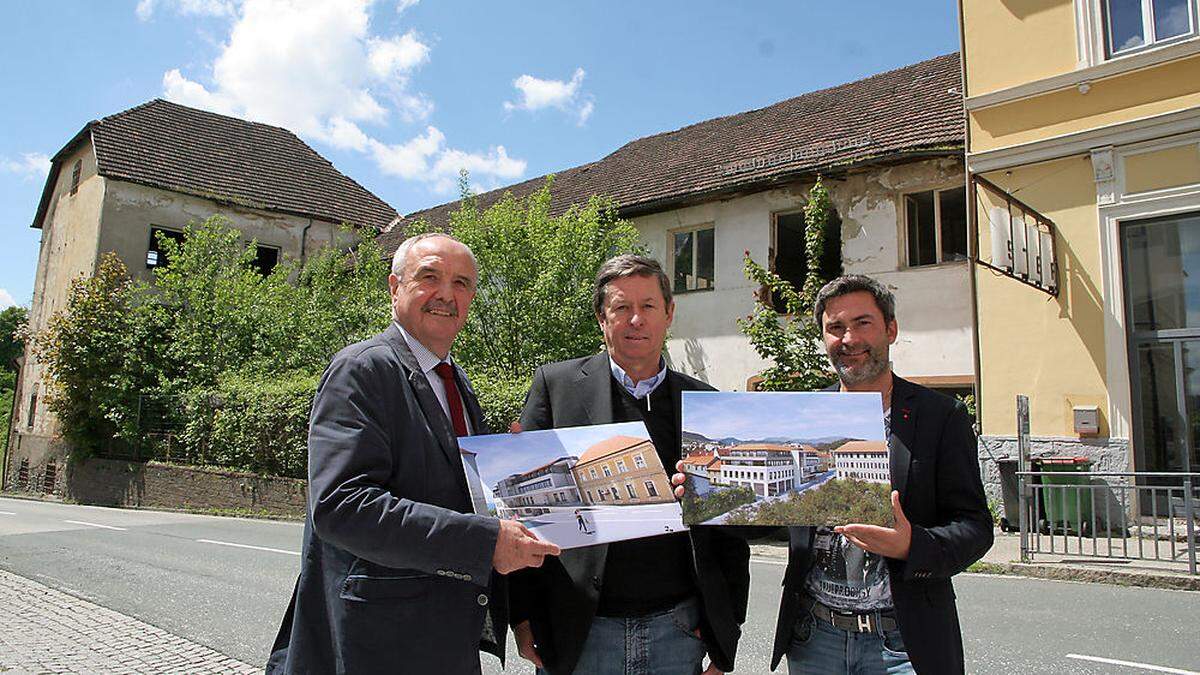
(621, 467)
(671, 255)
(607, 471)
(1110, 52)
(639, 461)
(650, 489)
(902, 210)
(1091, 20)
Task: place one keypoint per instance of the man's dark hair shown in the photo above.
(853, 283)
(627, 265)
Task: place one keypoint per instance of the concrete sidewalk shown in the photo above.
(43, 630)
(1067, 564)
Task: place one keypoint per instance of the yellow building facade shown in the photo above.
(1083, 158)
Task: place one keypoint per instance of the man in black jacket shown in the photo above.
(891, 610)
(654, 605)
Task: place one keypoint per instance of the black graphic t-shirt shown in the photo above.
(843, 575)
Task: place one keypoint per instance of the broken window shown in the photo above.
(935, 226)
(75, 171)
(692, 253)
(788, 255)
(265, 259)
(155, 255)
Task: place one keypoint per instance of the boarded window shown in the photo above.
(76, 170)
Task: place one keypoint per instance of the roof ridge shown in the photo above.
(777, 104)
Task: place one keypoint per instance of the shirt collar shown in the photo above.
(426, 359)
(643, 388)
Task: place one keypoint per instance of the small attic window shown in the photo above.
(75, 171)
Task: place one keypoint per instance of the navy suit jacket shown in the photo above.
(934, 465)
(396, 572)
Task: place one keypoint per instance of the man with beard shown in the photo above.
(869, 599)
(398, 573)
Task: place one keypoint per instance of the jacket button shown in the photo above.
(466, 577)
(482, 600)
(597, 582)
(441, 573)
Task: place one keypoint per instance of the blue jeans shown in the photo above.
(657, 644)
(818, 647)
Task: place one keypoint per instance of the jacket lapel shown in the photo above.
(595, 382)
(902, 436)
(434, 415)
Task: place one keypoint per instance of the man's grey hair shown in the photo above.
(853, 283)
(401, 256)
(627, 265)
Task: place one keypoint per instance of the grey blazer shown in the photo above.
(396, 572)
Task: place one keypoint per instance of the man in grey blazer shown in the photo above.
(398, 574)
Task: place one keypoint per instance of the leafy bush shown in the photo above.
(258, 426)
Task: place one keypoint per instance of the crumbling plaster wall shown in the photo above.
(130, 210)
(934, 301)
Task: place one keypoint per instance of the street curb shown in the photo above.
(1088, 575)
(220, 513)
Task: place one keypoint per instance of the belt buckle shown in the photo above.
(864, 624)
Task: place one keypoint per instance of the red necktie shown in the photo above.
(446, 372)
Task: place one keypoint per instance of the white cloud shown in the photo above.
(217, 8)
(6, 299)
(404, 4)
(315, 67)
(31, 165)
(426, 158)
(567, 96)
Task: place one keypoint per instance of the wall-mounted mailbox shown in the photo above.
(1087, 420)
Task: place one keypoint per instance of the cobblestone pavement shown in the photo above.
(43, 630)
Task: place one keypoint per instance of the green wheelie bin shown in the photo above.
(1067, 510)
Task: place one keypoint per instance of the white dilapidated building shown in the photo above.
(889, 148)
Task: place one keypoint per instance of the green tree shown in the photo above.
(534, 303)
(93, 375)
(12, 336)
(792, 344)
(697, 508)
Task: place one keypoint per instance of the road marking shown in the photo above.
(83, 522)
(1132, 664)
(256, 548)
(7, 513)
(780, 563)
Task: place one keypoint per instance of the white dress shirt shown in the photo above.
(427, 361)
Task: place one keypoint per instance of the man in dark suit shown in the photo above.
(654, 605)
(398, 575)
(891, 610)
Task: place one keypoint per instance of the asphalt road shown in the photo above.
(224, 582)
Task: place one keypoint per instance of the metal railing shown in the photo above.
(1147, 516)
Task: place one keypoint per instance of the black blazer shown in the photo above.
(396, 572)
(935, 468)
(561, 597)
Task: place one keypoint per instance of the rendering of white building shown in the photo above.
(769, 469)
(864, 460)
(534, 492)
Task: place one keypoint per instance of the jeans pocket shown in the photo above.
(686, 617)
(894, 642)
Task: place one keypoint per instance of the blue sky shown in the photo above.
(400, 94)
(501, 455)
(783, 414)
